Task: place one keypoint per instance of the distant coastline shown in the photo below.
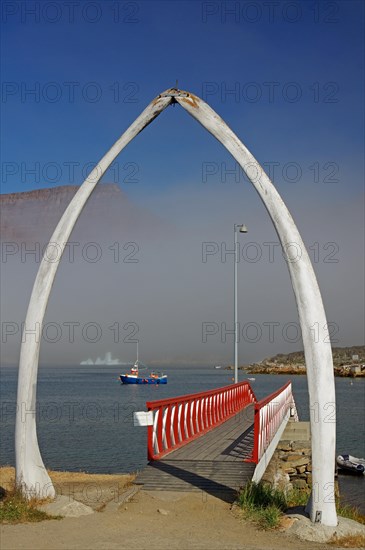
(347, 362)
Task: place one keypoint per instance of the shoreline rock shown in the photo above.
(348, 362)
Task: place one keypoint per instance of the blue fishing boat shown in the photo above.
(134, 378)
(137, 377)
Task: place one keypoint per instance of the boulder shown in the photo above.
(290, 471)
(297, 460)
(66, 507)
(316, 532)
(284, 445)
(301, 445)
(299, 484)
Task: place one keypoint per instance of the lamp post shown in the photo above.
(237, 228)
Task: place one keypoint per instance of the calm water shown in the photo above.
(85, 416)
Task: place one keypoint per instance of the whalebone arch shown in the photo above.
(31, 473)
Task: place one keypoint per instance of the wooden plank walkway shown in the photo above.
(214, 462)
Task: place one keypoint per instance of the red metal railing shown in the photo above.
(178, 420)
(269, 415)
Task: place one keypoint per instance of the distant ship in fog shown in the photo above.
(106, 361)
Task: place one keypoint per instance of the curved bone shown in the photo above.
(317, 349)
(31, 474)
(30, 469)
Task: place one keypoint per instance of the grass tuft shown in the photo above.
(270, 517)
(350, 512)
(262, 504)
(265, 506)
(298, 497)
(262, 495)
(350, 541)
(15, 508)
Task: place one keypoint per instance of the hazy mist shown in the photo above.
(164, 275)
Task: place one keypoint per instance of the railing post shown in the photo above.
(159, 429)
(256, 431)
(150, 449)
(168, 427)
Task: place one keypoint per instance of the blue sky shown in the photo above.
(314, 71)
(297, 72)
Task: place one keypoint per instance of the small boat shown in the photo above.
(252, 379)
(135, 377)
(218, 367)
(351, 464)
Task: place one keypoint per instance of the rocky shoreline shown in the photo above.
(348, 362)
(299, 369)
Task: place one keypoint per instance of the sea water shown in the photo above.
(85, 416)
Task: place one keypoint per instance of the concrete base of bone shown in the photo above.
(305, 529)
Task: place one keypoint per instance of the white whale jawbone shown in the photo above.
(31, 473)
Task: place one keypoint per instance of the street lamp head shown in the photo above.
(243, 229)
